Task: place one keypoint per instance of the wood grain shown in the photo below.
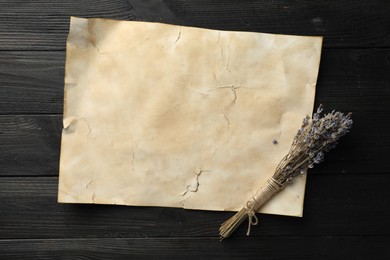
(31, 82)
(350, 80)
(335, 205)
(43, 25)
(342, 23)
(30, 146)
(292, 248)
(347, 198)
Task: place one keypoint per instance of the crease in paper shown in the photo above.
(174, 116)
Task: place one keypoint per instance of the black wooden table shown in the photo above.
(346, 213)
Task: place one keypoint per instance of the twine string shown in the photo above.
(259, 199)
(252, 218)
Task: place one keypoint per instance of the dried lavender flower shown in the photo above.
(313, 139)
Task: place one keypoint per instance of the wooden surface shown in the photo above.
(347, 203)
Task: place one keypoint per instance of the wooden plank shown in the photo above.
(349, 80)
(30, 145)
(199, 248)
(31, 82)
(335, 205)
(43, 25)
(342, 23)
(354, 80)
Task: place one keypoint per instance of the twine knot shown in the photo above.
(259, 199)
(252, 220)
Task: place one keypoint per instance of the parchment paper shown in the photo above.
(164, 115)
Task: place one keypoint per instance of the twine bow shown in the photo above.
(252, 218)
(259, 199)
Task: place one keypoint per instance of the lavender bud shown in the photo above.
(320, 109)
(319, 157)
(316, 117)
(326, 135)
(305, 121)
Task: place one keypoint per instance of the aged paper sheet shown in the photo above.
(164, 115)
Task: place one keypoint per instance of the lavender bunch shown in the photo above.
(316, 136)
(312, 141)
